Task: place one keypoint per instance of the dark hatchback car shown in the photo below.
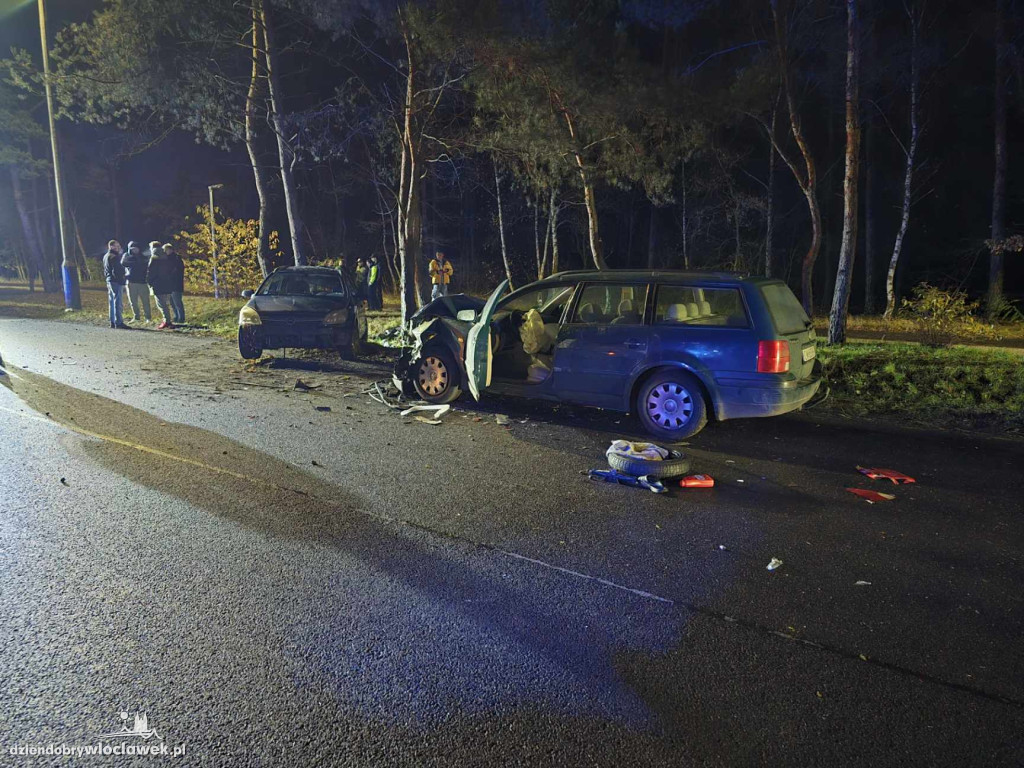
(675, 348)
(302, 308)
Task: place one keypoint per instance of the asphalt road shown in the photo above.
(282, 577)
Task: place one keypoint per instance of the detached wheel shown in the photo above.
(249, 345)
(671, 406)
(436, 376)
(676, 465)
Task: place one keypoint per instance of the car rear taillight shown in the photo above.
(772, 356)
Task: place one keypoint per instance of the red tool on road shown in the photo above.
(898, 478)
(697, 481)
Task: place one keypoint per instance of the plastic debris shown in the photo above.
(303, 386)
(425, 420)
(316, 463)
(697, 481)
(614, 476)
(723, 547)
(324, 408)
(898, 478)
(863, 584)
(437, 410)
(871, 496)
(774, 563)
(501, 420)
(64, 481)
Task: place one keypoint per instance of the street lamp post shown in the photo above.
(69, 275)
(213, 241)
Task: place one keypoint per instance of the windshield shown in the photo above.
(549, 301)
(299, 284)
(788, 314)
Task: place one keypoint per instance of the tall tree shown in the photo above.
(848, 250)
(807, 175)
(998, 229)
(910, 154)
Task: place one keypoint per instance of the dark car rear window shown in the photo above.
(298, 284)
(693, 306)
(786, 311)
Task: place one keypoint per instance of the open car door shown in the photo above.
(478, 345)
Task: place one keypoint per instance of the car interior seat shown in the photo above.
(693, 310)
(587, 313)
(677, 313)
(627, 313)
(705, 308)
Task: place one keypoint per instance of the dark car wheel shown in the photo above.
(436, 376)
(249, 345)
(670, 405)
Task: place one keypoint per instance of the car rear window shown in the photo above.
(611, 303)
(707, 307)
(785, 308)
(298, 284)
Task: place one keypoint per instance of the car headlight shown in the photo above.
(337, 317)
(249, 316)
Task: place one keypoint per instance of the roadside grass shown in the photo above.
(940, 386)
(902, 328)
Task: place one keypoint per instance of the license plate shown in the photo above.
(808, 353)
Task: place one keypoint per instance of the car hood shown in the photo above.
(311, 304)
(448, 306)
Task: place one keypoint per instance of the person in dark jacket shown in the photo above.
(161, 282)
(114, 274)
(178, 284)
(136, 268)
(374, 294)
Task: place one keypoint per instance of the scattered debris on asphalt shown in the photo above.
(303, 386)
(64, 481)
(723, 547)
(437, 410)
(324, 408)
(631, 450)
(697, 481)
(774, 564)
(871, 496)
(898, 478)
(316, 463)
(425, 420)
(501, 420)
(621, 478)
(863, 584)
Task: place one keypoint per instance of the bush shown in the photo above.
(236, 263)
(943, 315)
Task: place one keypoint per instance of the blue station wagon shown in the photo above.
(675, 348)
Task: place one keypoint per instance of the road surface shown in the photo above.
(284, 577)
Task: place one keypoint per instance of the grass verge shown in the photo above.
(939, 386)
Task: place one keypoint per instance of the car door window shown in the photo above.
(611, 304)
(549, 302)
(705, 307)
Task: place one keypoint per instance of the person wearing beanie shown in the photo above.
(136, 267)
(161, 282)
(114, 274)
(177, 284)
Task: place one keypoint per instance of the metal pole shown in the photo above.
(213, 241)
(69, 275)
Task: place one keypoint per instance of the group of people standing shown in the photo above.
(368, 279)
(160, 271)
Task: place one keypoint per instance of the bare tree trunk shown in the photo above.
(998, 231)
(652, 238)
(82, 257)
(908, 177)
(769, 234)
(553, 220)
(870, 295)
(414, 240)
(536, 239)
(501, 227)
(262, 250)
(848, 250)
(737, 258)
(589, 198)
(32, 245)
(286, 157)
(686, 219)
(547, 241)
(807, 179)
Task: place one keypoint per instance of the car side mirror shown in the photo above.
(466, 315)
(247, 294)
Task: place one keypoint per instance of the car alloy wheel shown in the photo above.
(670, 405)
(433, 376)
